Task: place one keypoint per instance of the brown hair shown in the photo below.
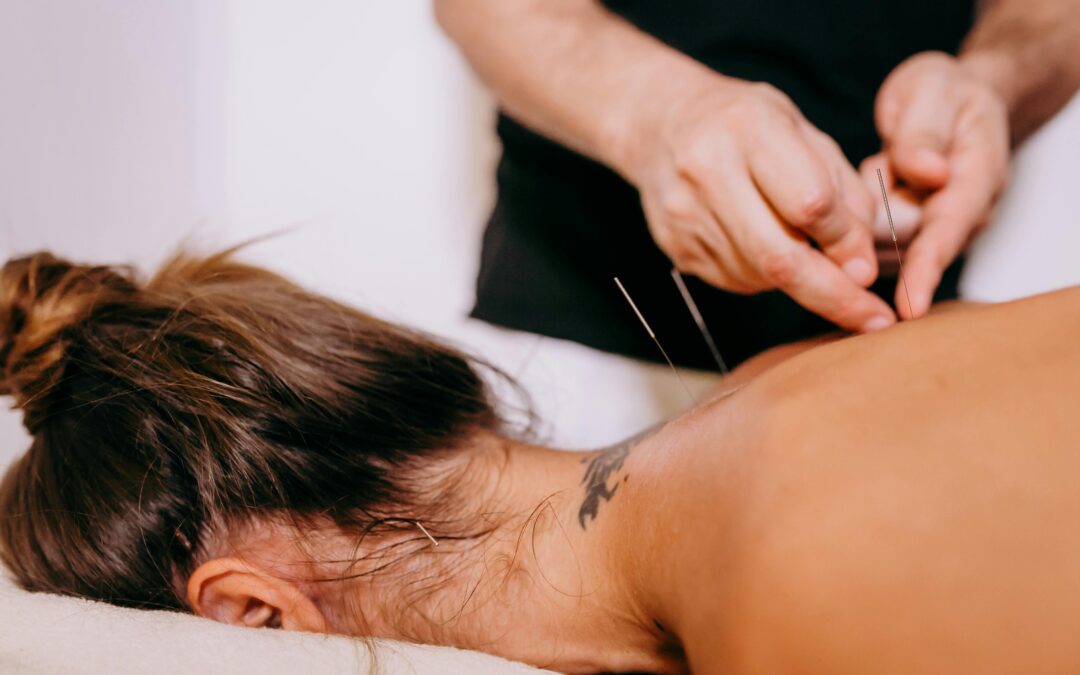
(213, 393)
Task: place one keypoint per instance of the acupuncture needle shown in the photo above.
(698, 319)
(896, 245)
(427, 534)
(649, 330)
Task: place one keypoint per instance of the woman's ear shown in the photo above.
(232, 591)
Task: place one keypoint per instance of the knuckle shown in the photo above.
(757, 106)
(744, 116)
(768, 92)
(825, 144)
(778, 267)
(693, 159)
(676, 205)
(813, 205)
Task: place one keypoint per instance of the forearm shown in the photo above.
(570, 69)
(1025, 49)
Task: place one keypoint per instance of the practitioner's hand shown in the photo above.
(946, 136)
(736, 183)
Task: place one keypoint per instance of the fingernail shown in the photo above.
(859, 270)
(876, 323)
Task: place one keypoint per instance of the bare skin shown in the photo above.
(898, 503)
(905, 501)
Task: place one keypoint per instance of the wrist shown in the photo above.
(644, 114)
(997, 70)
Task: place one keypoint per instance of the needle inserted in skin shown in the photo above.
(896, 245)
(653, 336)
(426, 533)
(698, 319)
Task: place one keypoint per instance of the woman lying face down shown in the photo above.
(218, 440)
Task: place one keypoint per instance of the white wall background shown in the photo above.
(127, 126)
(1034, 244)
(358, 123)
(108, 143)
(102, 126)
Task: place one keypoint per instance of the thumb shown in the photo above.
(918, 147)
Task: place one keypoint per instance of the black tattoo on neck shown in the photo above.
(599, 468)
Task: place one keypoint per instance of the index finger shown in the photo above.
(795, 174)
(816, 283)
(785, 261)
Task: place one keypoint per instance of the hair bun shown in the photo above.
(41, 297)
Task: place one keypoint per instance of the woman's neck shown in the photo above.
(544, 587)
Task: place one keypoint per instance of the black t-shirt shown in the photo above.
(564, 225)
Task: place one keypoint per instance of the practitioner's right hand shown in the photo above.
(736, 183)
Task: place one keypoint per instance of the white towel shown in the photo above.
(51, 635)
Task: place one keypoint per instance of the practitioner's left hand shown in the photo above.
(945, 135)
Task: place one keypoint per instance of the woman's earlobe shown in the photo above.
(230, 590)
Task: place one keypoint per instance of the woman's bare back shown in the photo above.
(901, 502)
